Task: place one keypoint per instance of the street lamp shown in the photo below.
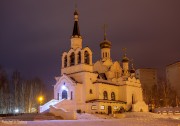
(40, 99)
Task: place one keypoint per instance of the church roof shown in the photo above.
(107, 101)
(70, 78)
(106, 82)
(76, 31)
(132, 71)
(125, 59)
(102, 76)
(105, 44)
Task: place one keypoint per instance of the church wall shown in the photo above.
(102, 107)
(88, 85)
(123, 93)
(105, 53)
(135, 87)
(109, 88)
(78, 94)
(91, 91)
(80, 87)
(114, 106)
(86, 79)
(63, 85)
(134, 94)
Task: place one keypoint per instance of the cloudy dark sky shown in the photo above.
(34, 33)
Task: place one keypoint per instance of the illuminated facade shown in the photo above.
(100, 87)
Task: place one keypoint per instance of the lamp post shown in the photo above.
(40, 99)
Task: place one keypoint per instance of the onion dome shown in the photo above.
(125, 59)
(105, 44)
(132, 68)
(132, 71)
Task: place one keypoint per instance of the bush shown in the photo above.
(78, 111)
(122, 110)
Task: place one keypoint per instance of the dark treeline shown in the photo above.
(160, 95)
(19, 94)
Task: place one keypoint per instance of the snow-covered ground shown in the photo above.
(129, 119)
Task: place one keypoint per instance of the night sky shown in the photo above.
(34, 33)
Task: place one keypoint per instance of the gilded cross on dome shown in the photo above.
(105, 28)
(132, 64)
(124, 51)
(131, 60)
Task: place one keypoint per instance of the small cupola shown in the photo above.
(125, 63)
(125, 58)
(105, 43)
(105, 47)
(132, 69)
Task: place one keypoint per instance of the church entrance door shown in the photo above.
(64, 94)
(109, 110)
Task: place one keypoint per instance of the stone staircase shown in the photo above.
(45, 108)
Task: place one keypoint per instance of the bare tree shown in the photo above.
(167, 94)
(23, 96)
(16, 80)
(4, 92)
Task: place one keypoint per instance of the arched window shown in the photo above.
(105, 94)
(112, 96)
(65, 61)
(86, 57)
(132, 99)
(64, 94)
(79, 57)
(90, 91)
(72, 59)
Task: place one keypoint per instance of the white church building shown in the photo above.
(101, 87)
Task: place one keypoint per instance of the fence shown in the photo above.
(167, 110)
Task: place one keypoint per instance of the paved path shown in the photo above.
(103, 122)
